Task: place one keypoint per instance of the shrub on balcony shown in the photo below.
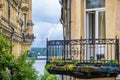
(50, 66)
(52, 59)
(88, 69)
(71, 67)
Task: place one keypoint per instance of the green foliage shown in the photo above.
(23, 69)
(71, 67)
(53, 59)
(87, 69)
(5, 57)
(12, 68)
(47, 66)
(47, 76)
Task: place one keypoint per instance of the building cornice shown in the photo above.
(30, 23)
(24, 8)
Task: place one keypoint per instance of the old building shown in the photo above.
(16, 23)
(91, 33)
(91, 19)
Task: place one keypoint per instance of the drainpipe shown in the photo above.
(9, 24)
(69, 19)
(69, 23)
(61, 21)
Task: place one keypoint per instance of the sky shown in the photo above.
(46, 18)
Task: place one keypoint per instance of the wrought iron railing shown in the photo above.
(83, 58)
(83, 49)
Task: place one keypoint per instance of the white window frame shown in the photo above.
(86, 28)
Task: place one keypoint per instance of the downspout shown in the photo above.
(61, 20)
(9, 24)
(69, 24)
(69, 19)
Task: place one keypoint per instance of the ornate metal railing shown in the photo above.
(86, 56)
(84, 49)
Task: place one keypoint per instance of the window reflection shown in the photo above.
(95, 4)
(101, 24)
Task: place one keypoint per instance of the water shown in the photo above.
(40, 66)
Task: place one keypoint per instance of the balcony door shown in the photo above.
(95, 24)
(95, 27)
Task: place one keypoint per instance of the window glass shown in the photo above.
(95, 4)
(101, 24)
(24, 22)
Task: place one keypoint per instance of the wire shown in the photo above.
(52, 34)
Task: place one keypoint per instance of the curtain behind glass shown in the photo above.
(101, 24)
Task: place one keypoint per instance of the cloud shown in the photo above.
(55, 33)
(44, 30)
(46, 10)
(46, 16)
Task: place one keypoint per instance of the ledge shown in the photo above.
(84, 70)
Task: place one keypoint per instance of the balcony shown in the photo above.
(30, 23)
(1, 5)
(60, 1)
(83, 58)
(25, 8)
(28, 38)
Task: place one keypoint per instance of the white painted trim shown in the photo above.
(96, 25)
(95, 9)
(87, 24)
(85, 27)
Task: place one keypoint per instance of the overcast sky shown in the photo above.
(46, 18)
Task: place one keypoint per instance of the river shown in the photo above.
(40, 66)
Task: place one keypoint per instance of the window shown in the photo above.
(101, 25)
(95, 19)
(24, 26)
(95, 4)
(95, 27)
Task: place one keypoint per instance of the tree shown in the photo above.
(5, 58)
(12, 68)
(23, 69)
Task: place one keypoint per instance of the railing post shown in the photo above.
(46, 50)
(80, 48)
(117, 49)
(64, 51)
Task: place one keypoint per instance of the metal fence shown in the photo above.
(83, 49)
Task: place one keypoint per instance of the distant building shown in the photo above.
(35, 52)
(16, 23)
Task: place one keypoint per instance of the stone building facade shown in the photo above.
(16, 23)
(103, 15)
(90, 19)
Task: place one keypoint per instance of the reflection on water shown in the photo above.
(39, 66)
